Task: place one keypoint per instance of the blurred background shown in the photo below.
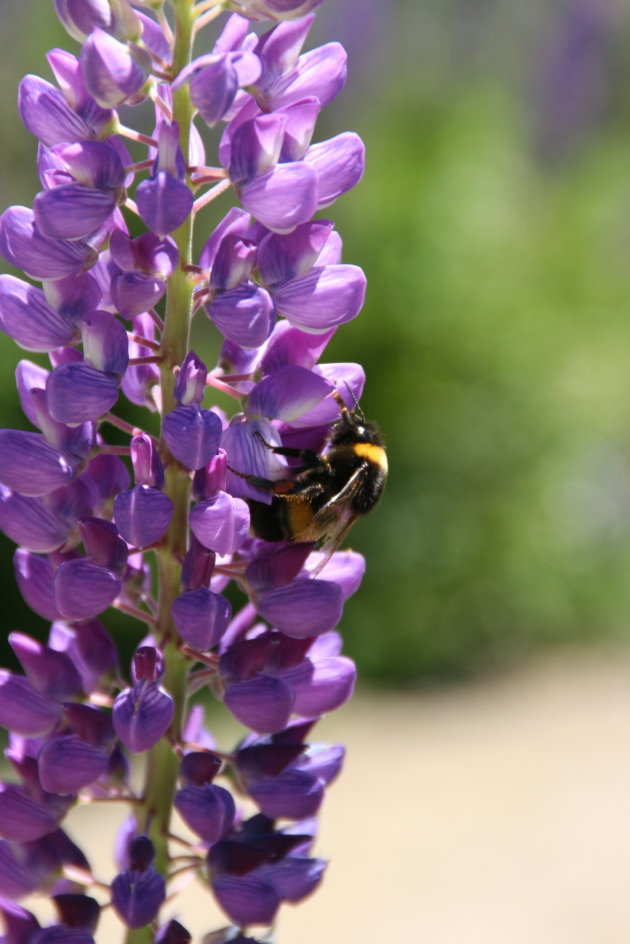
(493, 224)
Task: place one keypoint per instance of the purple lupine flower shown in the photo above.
(142, 513)
(164, 201)
(114, 73)
(84, 184)
(56, 116)
(143, 712)
(138, 270)
(138, 892)
(226, 604)
(40, 256)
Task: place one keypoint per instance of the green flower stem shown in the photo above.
(155, 808)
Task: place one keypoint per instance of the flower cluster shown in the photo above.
(157, 523)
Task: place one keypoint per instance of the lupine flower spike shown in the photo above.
(215, 533)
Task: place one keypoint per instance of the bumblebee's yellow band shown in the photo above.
(372, 453)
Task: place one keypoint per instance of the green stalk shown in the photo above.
(154, 810)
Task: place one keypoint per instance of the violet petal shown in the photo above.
(78, 392)
(111, 73)
(246, 899)
(141, 715)
(208, 809)
(137, 896)
(72, 211)
(27, 522)
(303, 608)
(30, 465)
(193, 435)
(201, 617)
(23, 709)
(293, 794)
(136, 292)
(263, 703)
(320, 73)
(61, 934)
(295, 877)
(105, 343)
(220, 523)
(26, 316)
(34, 576)
(243, 315)
(339, 163)
(46, 114)
(49, 671)
(163, 202)
(16, 878)
(321, 686)
(287, 393)
(328, 296)
(294, 255)
(142, 515)
(282, 198)
(67, 764)
(83, 588)
(39, 257)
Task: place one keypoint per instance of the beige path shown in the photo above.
(493, 814)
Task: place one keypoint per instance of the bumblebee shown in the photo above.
(329, 490)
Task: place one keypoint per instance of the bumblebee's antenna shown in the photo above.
(347, 414)
(357, 408)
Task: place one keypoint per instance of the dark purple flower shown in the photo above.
(28, 523)
(138, 892)
(24, 817)
(90, 648)
(209, 810)
(141, 715)
(67, 764)
(78, 911)
(173, 933)
(252, 871)
(215, 78)
(190, 384)
(17, 879)
(263, 703)
(49, 671)
(34, 576)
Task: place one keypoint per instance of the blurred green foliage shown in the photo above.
(496, 334)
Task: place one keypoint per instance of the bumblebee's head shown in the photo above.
(350, 429)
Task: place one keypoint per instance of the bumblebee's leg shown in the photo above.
(277, 486)
(310, 458)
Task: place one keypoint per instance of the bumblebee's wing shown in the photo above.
(330, 524)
